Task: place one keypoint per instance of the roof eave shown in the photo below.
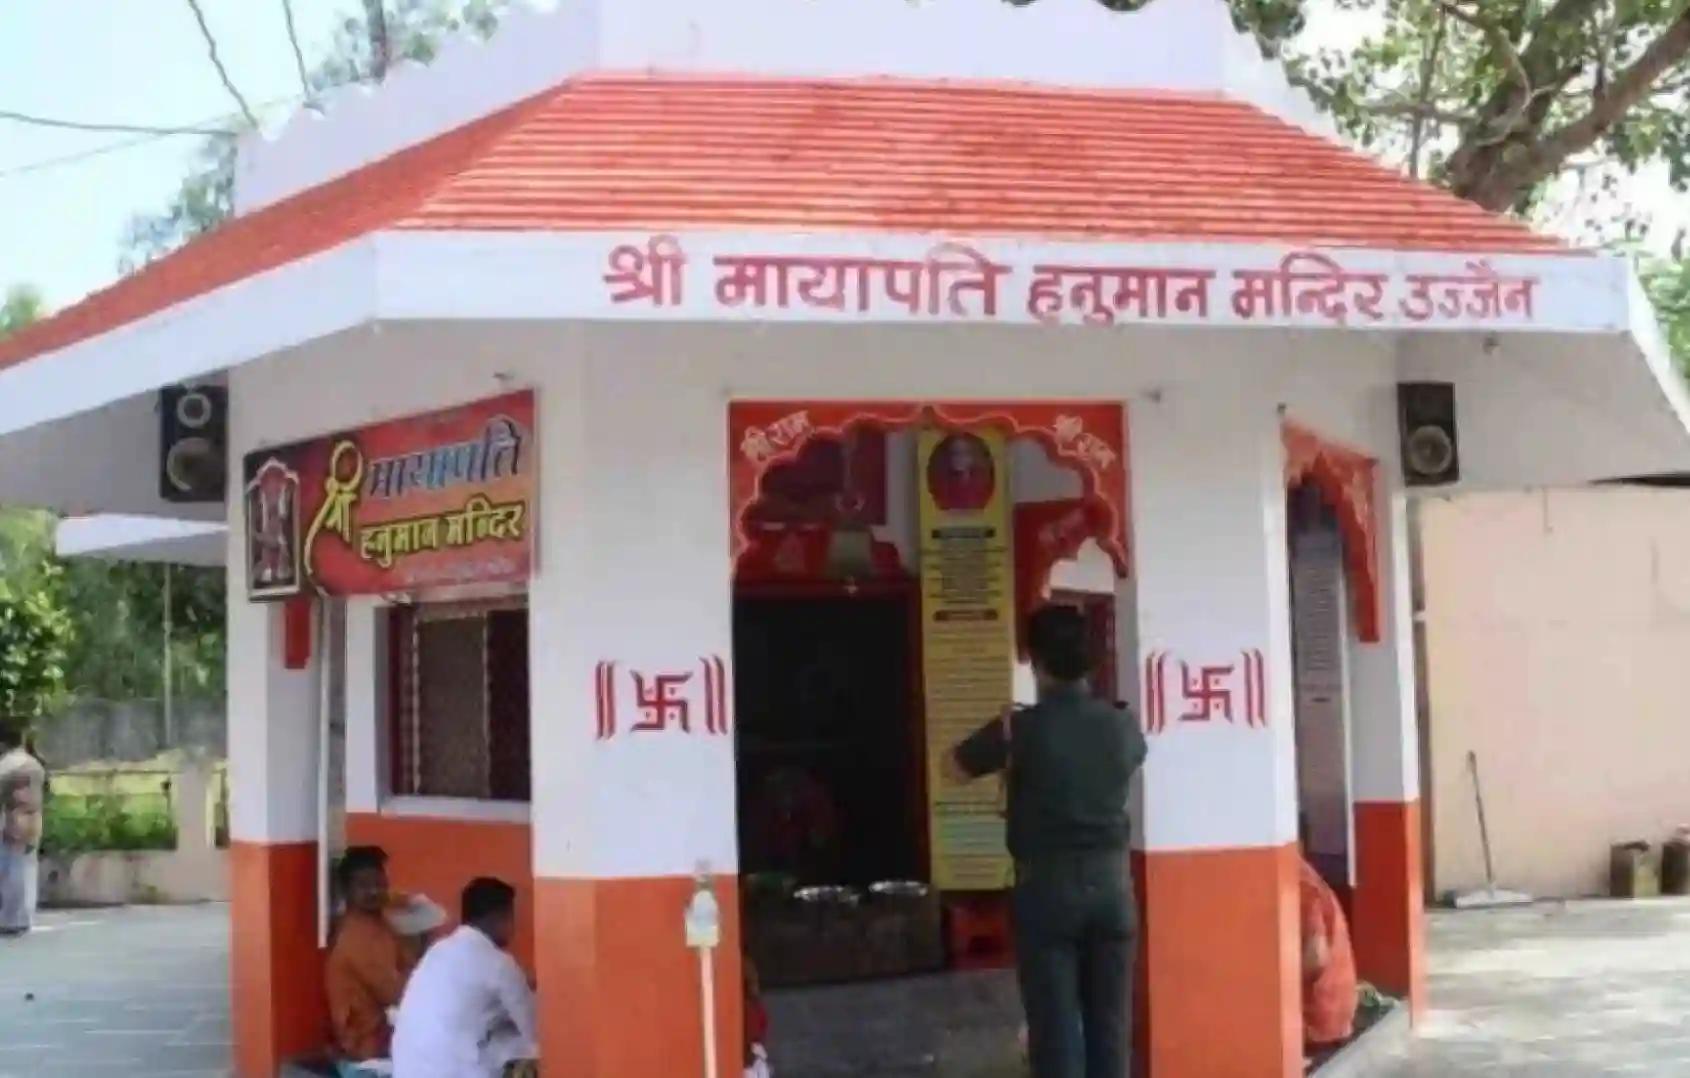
(270, 312)
(554, 276)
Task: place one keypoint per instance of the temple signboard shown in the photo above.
(968, 641)
(953, 281)
(431, 501)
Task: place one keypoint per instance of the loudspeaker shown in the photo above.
(193, 443)
(1431, 456)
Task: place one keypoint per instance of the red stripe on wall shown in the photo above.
(1222, 963)
(276, 970)
(1388, 909)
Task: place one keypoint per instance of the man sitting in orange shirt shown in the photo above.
(1329, 966)
(369, 962)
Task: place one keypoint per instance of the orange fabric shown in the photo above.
(1221, 958)
(1329, 996)
(437, 858)
(276, 970)
(619, 990)
(645, 153)
(367, 969)
(1388, 925)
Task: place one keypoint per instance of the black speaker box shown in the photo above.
(1431, 454)
(193, 444)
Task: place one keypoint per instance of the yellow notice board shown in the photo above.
(968, 642)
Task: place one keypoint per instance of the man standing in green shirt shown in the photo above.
(1067, 761)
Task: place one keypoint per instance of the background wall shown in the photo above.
(437, 857)
(130, 730)
(195, 871)
(1557, 632)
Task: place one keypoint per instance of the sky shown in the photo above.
(144, 62)
(121, 61)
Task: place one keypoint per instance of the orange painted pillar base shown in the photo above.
(620, 993)
(1141, 977)
(1222, 957)
(1388, 913)
(276, 970)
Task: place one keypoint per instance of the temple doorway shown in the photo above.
(885, 557)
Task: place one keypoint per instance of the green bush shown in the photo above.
(74, 825)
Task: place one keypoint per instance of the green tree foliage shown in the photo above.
(95, 629)
(76, 825)
(36, 629)
(118, 653)
(1493, 98)
(412, 31)
(91, 628)
(21, 306)
(205, 199)
(1669, 286)
(35, 640)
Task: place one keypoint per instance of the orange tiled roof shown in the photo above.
(610, 152)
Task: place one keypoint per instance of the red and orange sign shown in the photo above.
(438, 500)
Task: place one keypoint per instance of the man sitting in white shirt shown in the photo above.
(467, 1011)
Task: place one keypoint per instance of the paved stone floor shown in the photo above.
(141, 993)
(959, 1025)
(1553, 991)
(1557, 991)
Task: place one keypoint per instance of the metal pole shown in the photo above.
(322, 652)
(169, 679)
(707, 975)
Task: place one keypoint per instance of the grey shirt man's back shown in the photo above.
(1069, 760)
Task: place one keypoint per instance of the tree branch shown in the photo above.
(1628, 88)
(381, 48)
(1416, 110)
(1478, 168)
(1670, 88)
(1539, 57)
(1504, 47)
(1428, 70)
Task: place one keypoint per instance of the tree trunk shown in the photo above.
(1497, 174)
(381, 51)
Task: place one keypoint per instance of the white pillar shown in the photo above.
(367, 686)
(1382, 679)
(632, 597)
(272, 730)
(1214, 594)
(1219, 800)
(276, 983)
(1388, 907)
